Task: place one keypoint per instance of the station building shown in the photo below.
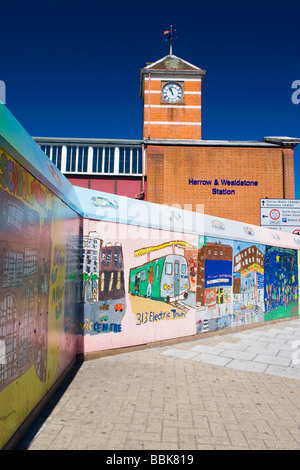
(171, 163)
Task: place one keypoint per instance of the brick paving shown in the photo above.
(238, 391)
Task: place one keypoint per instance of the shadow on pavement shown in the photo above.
(34, 428)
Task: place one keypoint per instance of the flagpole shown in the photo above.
(170, 33)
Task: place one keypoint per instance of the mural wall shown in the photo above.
(134, 291)
(139, 287)
(241, 283)
(39, 291)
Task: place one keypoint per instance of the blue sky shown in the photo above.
(72, 68)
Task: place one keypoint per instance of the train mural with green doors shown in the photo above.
(165, 278)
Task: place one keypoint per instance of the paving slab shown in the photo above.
(235, 391)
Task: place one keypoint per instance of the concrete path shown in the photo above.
(233, 391)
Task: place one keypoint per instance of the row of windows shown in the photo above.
(244, 254)
(104, 159)
(168, 270)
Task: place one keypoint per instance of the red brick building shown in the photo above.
(171, 164)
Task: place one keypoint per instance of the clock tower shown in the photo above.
(171, 92)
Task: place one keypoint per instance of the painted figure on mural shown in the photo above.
(137, 283)
(150, 282)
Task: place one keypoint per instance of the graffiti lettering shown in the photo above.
(146, 317)
(54, 275)
(16, 179)
(58, 310)
(57, 294)
(178, 314)
(57, 280)
(98, 327)
(58, 259)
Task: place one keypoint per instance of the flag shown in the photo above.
(166, 32)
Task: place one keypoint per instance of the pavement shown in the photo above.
(234, 391)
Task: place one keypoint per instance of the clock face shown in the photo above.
(172, 92)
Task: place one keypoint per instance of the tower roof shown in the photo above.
(171, 62)
(173, 65)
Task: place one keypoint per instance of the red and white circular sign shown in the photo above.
(274, 214)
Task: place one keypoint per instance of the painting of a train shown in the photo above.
(165, 278)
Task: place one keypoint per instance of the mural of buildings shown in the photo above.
(214, 285)
(91, 266)
(103, 285)
(24, 287)
(111, 273)
(248, 283)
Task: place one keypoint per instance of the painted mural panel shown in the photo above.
(163, 300)
(135, 281)
(37, 234)
(214, 310)
(240, 283)
(248, 283)
(103, 293)
(159, 284)
(25, 247)
(281, 287)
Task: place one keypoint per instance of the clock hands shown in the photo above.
(172, 92)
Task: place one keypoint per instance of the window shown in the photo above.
(103, 159)
(183, 268)
(124, 160)
(109, 159)
(97, 159)
(176, 268)
(30, 262)
(46, 149)
(15, 216)
(82, 159)
(102, 279)
(56, 155)
(157, 272)
(71, 158)
(13, 268)
(168, 268)
(130, 160)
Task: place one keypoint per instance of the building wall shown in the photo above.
(171, 170)
(162, 120)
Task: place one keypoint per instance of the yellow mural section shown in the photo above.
(28, 386)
